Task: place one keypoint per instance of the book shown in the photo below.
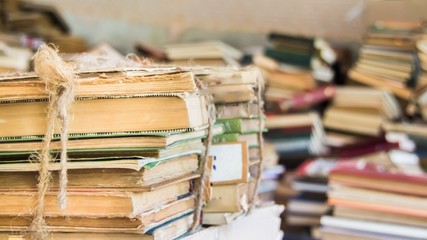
(169, 230)
(306, 99)
(237, 110)
(202, 50)
(240, 125)
(379, 216)
(130, 114)
(299, 80)
(289, 56)
(142, 223)
(135, 157)
(251, 139)
(109, 82)
(91, 203)
(97, 175)
(115, 141)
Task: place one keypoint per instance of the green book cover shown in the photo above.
(231, 125)
(302, 60)
(228, 137)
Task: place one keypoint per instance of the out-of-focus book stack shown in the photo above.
(236, 153)
(311, 184)
(361, 111)
(211, 53)
(134, 144)
(34, 23)
(296, 70)
(296, 136)
(377, 198)
(387, 58)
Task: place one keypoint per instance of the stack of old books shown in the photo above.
(236, 153)
(377, 198)
(135, 139)
(387, 59)
(296, 136)
(296, 71)
(33, 23)
(361, 111)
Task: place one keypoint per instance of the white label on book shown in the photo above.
(230, 162)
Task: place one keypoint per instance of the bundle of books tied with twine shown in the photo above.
(116, 153)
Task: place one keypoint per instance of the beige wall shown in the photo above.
(122, 22)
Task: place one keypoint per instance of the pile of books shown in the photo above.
(387, 59)
(295, 67)
(377, 198)
(134, 145)
(30, 24)
(236, 152)
(361, 111)
(305, 208)
(296, 136)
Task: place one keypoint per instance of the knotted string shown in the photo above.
(60, 83)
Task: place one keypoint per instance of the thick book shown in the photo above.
(108, 115)
(142, 223)
(114, 82)
(22, 176)
(93, 202)
(169, 230)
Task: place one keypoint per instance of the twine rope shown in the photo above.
(60, 83)
(260, 83)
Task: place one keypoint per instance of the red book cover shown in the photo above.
(364, 149)
(310, 98)
(373, 171)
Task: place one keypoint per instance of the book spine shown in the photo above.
(308, 98)
(229, 137)
(288, 57)
(231, 125)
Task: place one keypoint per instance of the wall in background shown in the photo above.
(239, 22)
